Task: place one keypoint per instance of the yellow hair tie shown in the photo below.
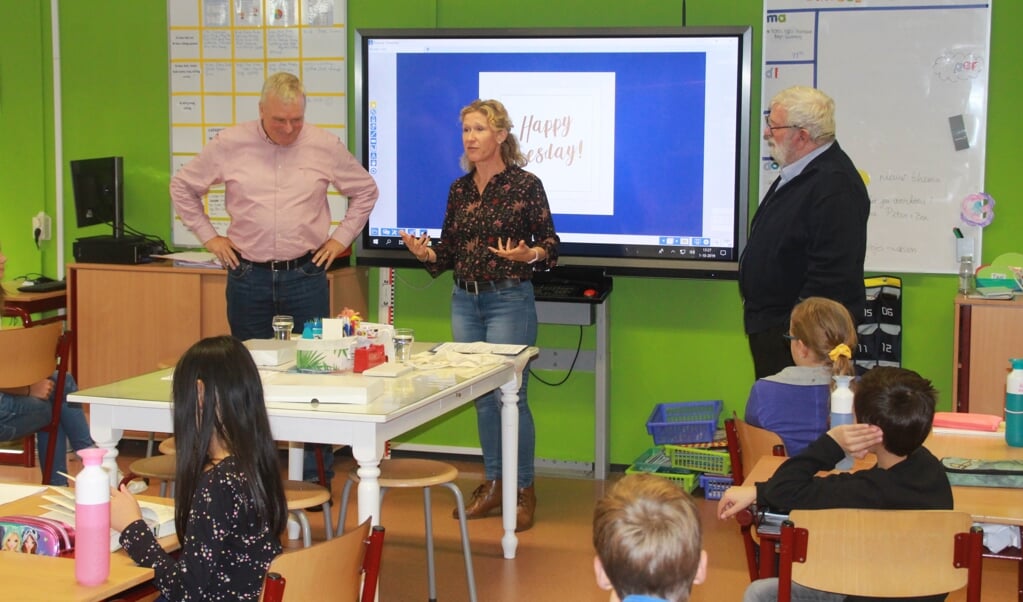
(841, 350)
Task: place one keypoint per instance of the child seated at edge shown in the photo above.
(894, 410)
(795, 403)
(229, 505)
(647, 535)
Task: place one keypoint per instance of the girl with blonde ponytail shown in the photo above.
(794, 402)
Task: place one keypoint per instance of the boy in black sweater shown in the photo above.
(894, 411)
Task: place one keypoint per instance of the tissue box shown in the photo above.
(271, 352)
(325, 355)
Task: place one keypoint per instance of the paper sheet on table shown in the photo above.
(12, 492)
(450, 359)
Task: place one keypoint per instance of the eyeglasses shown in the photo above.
(788, 337)
(767, 125)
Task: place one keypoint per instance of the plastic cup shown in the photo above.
(283, 325)
(403, 339)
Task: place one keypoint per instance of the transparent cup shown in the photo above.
(283, 325)
(403, 339)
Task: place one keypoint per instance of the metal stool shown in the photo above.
(156, 467)
(424, 474)
(302, 495)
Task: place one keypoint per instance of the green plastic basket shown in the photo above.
(654, 461)
(700, 460)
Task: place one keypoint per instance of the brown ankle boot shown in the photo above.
(526, 508)
(486, 498)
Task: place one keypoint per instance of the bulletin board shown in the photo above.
(910, 84)
(221, 52)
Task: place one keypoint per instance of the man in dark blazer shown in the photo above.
(809, 235)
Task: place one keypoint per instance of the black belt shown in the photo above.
(478, 287)
(282, 265)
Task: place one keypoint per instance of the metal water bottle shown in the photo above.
(92, 519)
(842, 411)
(1014, 404)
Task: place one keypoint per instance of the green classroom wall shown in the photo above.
(670, 339)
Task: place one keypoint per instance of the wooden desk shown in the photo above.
(28, 578)
(996, 505)
(985, 504)
(409, 401)
(34, 303)
(128, 319)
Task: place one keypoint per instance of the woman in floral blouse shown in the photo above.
(497, 230)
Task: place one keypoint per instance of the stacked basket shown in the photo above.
(684, 433)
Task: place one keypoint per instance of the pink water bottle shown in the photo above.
(92, 519)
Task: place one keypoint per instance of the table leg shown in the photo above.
(368, 457)
(509, 464)
(105, 437)
(296, 457)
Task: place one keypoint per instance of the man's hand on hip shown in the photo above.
(224, 249)
(326, 254)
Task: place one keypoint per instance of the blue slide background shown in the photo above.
(659, 131)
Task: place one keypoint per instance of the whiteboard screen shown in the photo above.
(910, 81)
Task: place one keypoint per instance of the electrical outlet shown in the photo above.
(41, 222)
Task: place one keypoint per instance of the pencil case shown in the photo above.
(968, 472)
(26, 534)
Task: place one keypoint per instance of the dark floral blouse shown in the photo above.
(225, 551)
(513, 206)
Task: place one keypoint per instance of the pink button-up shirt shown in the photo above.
(276, 195)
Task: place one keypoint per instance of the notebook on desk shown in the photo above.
(42, 285)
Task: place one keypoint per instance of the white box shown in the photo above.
(271, 352)
(324, 388)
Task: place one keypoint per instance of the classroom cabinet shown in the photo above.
(987, 334)
(132, 319)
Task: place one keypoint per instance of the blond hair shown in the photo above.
(647, 535)
(284, 86)
(497, 117)
(822, 325)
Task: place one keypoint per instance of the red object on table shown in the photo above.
(367, 357)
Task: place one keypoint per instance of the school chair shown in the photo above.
(423, 474)
(746, 445)
(880, 553)
(28, 355)
(330, 569)
(161, 468)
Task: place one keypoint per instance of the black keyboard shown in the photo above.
(43, 286)
(556, 290)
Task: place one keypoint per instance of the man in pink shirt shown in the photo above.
(275, 171)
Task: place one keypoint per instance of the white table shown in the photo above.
(143, 403)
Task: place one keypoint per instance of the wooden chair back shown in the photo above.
(747, 444)
(880, 553)
(28, 355)
(338, 566)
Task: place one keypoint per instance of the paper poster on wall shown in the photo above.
(911, 111)
(221, 52)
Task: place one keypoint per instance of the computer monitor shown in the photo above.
(98, 186)
(639, 135)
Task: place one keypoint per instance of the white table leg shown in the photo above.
(296, 458)
(509, 464)
(368, 457)
(100, 419)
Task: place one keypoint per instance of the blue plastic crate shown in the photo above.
(714, 486)
(684, 422)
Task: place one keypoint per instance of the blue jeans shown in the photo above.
(27, 410)
(505, 316)
(255, 295)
